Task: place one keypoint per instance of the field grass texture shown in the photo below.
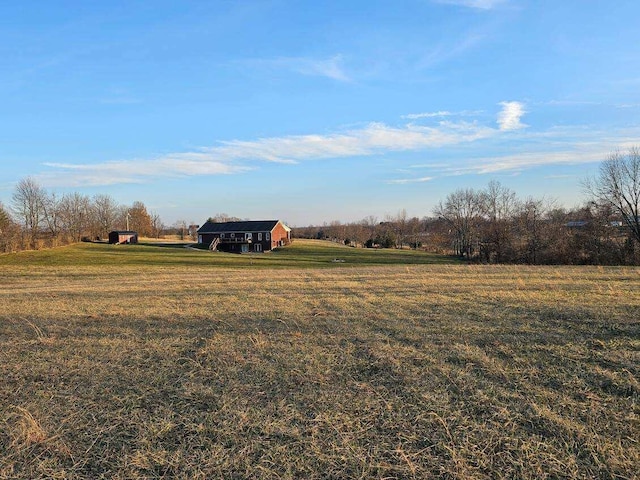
(189, 365)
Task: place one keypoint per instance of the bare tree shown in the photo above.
(105, 214)
(618, 185)
(193, 231)
(400, 221)
(27, 204)
(462, 210)
(181, 228)
(500, 206)
(223, 217)
(370, 224)
(336, 231)
(75, 212)
(51, 214)
(414, 227)
(156, 225)
(531, 222)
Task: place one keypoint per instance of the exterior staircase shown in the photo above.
(214, 245)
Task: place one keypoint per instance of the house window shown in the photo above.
(260, 236)
(248, 236)
(222, 235)
(233, 235)
(268, 236)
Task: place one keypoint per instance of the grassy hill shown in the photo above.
(138, 362)
(300, 254)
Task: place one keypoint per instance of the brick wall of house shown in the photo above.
(279, 234)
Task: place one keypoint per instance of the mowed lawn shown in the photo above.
(316, 361)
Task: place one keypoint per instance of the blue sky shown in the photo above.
(314, 111)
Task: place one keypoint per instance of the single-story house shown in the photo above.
(123, 236)
(244, 237)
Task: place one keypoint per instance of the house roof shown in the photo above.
(576, 223)
(246, 226)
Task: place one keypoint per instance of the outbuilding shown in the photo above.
(123, 236)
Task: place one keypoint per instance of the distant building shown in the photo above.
(244, 237)
(123, 236)
(576, 224)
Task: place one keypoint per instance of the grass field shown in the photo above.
(162, 362)
(301, 254)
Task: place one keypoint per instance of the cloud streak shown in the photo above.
(332, 67)
(375, 139)
(136, 171)
(442, 113)
(519, 162)
(404, 181)
(239, 156)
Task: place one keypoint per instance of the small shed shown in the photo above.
(123, 236)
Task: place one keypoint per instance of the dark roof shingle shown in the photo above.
(246, 226)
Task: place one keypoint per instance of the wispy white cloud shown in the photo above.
(430, 165)
(560, 146)
(373, 138)
(510, 115)
(403, 181)
(516, 163)
(442, 113)
(415, 116)
(522, 161)
(479, 4)
(567, 146)
(332, 67)
(238, 156)
(136, 171)
(448, 50)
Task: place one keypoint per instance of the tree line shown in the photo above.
(474, 225)
(493, 225)
(37, 218)
(490, 225)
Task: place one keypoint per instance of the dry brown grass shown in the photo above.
(417, 371)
